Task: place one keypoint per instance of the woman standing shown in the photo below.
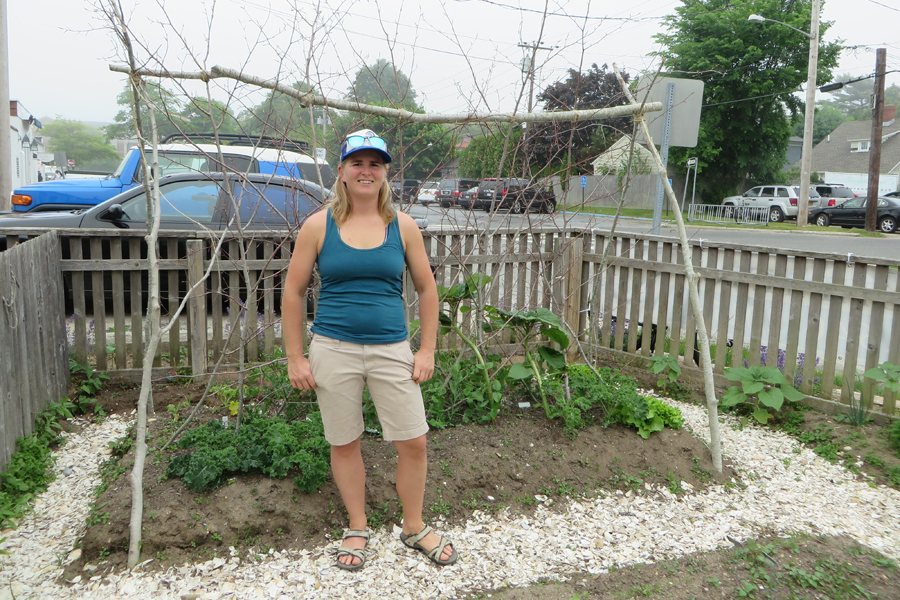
(359, 338)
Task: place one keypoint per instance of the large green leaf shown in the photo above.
(791, 394)
(555, 359)
(520, 371)
(733, 396)
(737, 373)
(761, 415)
(772, 398)
(557, 335)
(752, 387)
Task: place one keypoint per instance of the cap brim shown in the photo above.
(383, 153)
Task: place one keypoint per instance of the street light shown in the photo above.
(809, 113)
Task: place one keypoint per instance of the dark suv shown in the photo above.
(450, 190)
(410, 190)
(519, 196)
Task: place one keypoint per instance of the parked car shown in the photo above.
(426, 193)
(242, 154)
(484, 192)
(449, 190)
(467, 198)
(852, 213)
(407, 191)
(834, 192)
(782, 200)
(193, 201)
(520, 196)
(892, 195)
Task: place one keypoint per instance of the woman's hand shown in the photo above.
(423, 366)
(300, 373)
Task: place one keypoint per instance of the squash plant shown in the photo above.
(528, 326)
(762, 388)
(454, 297)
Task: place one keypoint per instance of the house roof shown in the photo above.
(615, 156)
(833, 153)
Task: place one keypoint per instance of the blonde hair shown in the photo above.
(341, 205)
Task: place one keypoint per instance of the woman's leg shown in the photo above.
(412, 468)
(350, 476)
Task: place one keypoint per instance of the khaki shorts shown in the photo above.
(342, 369)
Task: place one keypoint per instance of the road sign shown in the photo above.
(583, 181)
(71, 162)
(692, 162)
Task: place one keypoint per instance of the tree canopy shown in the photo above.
(173, 114)
(548, 143)
(280, 115)
(751, 71)
(481, 158)
(384, 84)
(826, 120)
(90, 151)
(855, 100)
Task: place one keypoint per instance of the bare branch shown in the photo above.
(310, 99)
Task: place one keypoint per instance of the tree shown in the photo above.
(382, 82)
(279, 114)
(90, 151)
(548, 143)
(854, 100)
(166, 105)
(751, 71)
(481, 158)
(827, 119)
(201, 115)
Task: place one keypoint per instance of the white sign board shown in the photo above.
(688, 99)
(320, 154)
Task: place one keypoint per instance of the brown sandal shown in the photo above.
(412, 540)
(360, 554)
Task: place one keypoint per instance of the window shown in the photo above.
(276, 205)
(859, 146)
(783, 193)
(182, 201)
(768, 192)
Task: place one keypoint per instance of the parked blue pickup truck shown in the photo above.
(244, 154)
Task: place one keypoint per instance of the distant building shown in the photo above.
(25, 144)
(843, 156)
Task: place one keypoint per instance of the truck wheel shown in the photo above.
(518, 207)
(776, 215)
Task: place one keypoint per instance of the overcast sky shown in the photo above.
(59, 49)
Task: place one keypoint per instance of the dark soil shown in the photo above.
(487, 468)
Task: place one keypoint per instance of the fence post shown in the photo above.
(567, 270)
(197, 308)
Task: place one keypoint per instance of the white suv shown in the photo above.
(782, 200)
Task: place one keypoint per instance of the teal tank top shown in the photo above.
(361, 293)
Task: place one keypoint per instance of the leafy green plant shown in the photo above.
(893, 434)
(456, 393)
(454, 297)
(528, 326)
(888, 373)
(91, 383)
(762, 388)
(666, 366)
(647, 414)
(272, 446)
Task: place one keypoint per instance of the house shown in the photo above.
(25, 143)
(843, 156)
(615, 158)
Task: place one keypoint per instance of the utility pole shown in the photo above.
(5, 145)
(528, 69)
(875, 144)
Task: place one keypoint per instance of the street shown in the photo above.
(838, 242)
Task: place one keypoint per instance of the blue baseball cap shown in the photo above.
(364, 139)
